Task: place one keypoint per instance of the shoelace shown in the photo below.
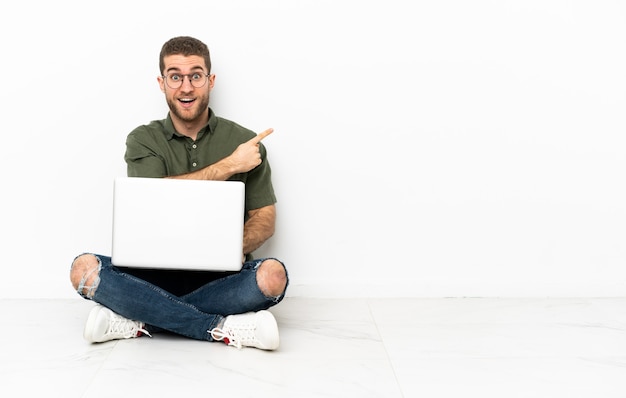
(235, 336)
(120, 326)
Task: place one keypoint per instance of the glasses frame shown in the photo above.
(188, 76)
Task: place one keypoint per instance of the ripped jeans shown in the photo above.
(192, 315)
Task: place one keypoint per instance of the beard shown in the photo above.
(189, 115)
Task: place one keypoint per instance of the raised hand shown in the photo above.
(247, 155)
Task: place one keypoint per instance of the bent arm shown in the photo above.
(258, 228)
(246, 157)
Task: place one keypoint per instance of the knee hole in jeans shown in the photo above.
(84, 274)
(272, 278)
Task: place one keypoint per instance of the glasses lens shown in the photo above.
(174, 80)
(198, 79)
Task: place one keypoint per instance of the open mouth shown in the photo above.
(186, 102)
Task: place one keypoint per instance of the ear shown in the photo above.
(161, 83)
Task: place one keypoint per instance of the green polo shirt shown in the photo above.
(157, 150)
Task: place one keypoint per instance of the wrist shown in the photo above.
(221, 170)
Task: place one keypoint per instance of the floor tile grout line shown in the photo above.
(97, 371)
(393, 368)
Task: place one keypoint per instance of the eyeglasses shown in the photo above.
(175, 80)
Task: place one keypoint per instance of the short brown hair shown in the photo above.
(185, 45)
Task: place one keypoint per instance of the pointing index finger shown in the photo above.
(260, 136)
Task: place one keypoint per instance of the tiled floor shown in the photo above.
(388, 348)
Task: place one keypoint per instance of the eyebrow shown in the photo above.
(193, 69)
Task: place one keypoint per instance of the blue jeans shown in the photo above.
(192, 315)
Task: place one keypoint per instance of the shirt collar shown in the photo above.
(170, 131)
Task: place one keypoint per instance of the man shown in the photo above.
(192, 143)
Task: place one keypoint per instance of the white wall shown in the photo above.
(421, 148)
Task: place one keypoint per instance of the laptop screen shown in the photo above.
(164, 223)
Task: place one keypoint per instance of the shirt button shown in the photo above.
(194, 164)
(194, 146)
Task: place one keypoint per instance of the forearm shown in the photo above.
(259, 228)
(219, 171)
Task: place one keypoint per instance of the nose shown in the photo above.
(186, 85)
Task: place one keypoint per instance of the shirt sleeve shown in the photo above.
(141, 161)
(259, 188)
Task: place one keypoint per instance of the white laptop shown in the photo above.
(164, 223)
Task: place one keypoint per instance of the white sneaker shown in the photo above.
(252, 329)
(104, 325)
